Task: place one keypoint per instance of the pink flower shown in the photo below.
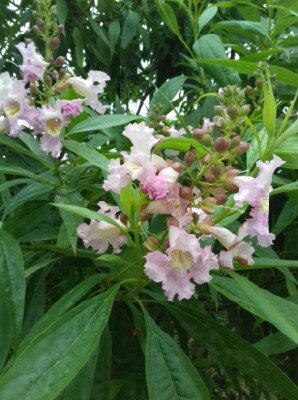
(184, 260)
(138, 163)
(118, 176)
(158, 186)
(52, 119)
(99, 234)
(51, 145)
(34, 65)
(173, 204)
(13, 96)
(90, 88)
(70, 108)
(236, 247)
(256, 191)
(206, 128)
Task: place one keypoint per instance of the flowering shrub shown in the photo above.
(122, 234)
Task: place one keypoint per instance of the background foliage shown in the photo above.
(236, 341)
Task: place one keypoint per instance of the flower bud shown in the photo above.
(221, 144)
(35, 29)
(151, 243)
(227, 177)
(33, 88)
(206, 158)
(207, 140)
(123, 218)
(60, 28)
(241, 148)
(259, 83)
(55, 75)
(221, 198)
(189, 158)
(235, 141)
(34, 14)
(54, 42)
(244, 110)
(144, 214)
(59, 61)
(62, 73)
(249, 90)
(186, 193)
(165, 244)
(41, 24)
(53, 11)
(47, 80)
(172, 221)
(209, 176)
(177, 166)
(216, 170)
(220, 110)
(232, 111)
(197, 133)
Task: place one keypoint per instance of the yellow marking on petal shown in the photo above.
(12, 108)
(53, 126)
(181, 260)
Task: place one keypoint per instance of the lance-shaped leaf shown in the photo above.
(170, 375)
(57, 354)
(12, 280)
(278, 311)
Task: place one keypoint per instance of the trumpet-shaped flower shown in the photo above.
(256, 191)
(70, 108)
(90, 88)
(34, 65)
(158, 186)
(237, 249)
(53, 119)
(184, 261)
(51, 145)
(99, 234)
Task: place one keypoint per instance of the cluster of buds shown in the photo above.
(185, 189)
(37, 102)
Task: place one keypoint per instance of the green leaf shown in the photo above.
(30, 192)
(260, 263)
(86, 213)
(62, 10)
(114, 33)
(166, 93)
(269, 108)
(71, 221)
(288, 151)
(230, 349)
(244, 27)
(103, 122)
(35, 149)
(88, 153)
(276, 343)
(288, 215)
(167, 14)
(169, 373)
(126, 200)
(12, 281)
(130, 28)
(5, 332)
(207, 16)
(181, 144)
(81, 386)
(211, 47)
(280, 312)
(291, 187)
(57, 354)
(64, 304)
(245, 67)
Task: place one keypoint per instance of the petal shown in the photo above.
(156, 266)
(178, 283)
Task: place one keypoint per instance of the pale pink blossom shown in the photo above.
(206, 128)
(139, 163)
(173, 204)
(158, 186)
(90, 88)
(70, 108)
(34, 65)
(118, 176)
(256, 192)
(236, 247)
(52, 119)
(184, 261)
(13, 96)
(100, 234)
(51, 145)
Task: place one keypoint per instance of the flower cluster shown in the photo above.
(36, 102)
(189, 193)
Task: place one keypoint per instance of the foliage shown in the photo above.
(77, 324)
